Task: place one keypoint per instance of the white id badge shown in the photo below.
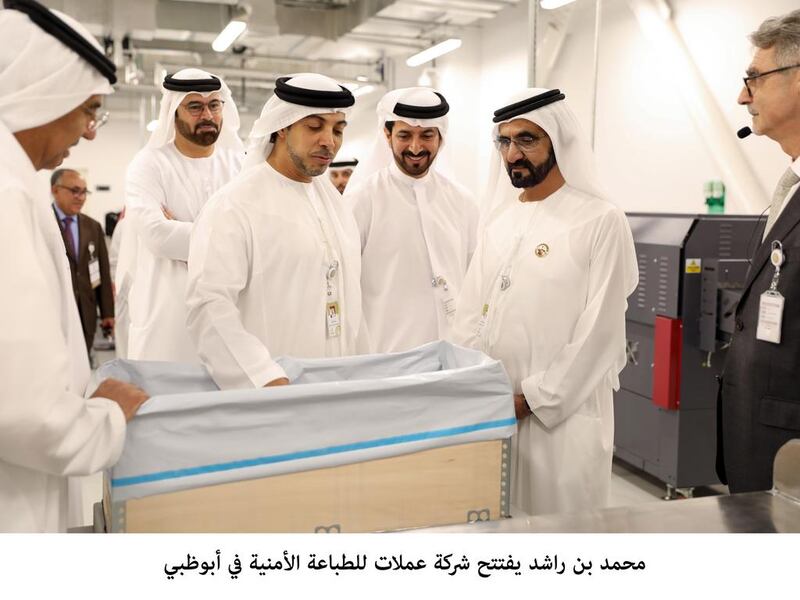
(333, 319)
(770, 317)
(94, 272)
(449, 306)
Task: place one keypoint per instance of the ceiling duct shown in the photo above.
(192, 16)
(329, 19)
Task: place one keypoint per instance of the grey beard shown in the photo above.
(305, 169)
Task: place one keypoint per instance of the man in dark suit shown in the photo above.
(85, 244)
(759, 407)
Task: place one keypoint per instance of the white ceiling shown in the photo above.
(346, 39)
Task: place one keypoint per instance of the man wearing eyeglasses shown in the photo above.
(85, 243)
(53, 76)
(193, 151)
(759, 405)
(546, 294)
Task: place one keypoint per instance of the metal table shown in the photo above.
(774, 511)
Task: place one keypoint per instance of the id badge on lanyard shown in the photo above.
(333, 308)
(94, 267)
(501, 283)
(448, 302)
(333, 314)
(770, 308)
(438, 281)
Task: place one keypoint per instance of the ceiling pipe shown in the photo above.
(598, 8)
(533, 18)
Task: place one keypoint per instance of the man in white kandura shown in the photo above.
(417, 226)
(193, 152)
(546, 294)
(341, 170)
(53, 76)
(274, 263)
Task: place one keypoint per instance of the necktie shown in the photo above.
(68, 236)
(789, 179)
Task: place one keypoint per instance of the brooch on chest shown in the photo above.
(542, 250)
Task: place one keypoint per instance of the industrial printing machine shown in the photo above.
(679, 323)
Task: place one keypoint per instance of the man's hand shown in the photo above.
(167, 214)
(278, 381)
(129, 397)
(521, 407)
(107, 324)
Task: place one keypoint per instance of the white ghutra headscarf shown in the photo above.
(296, 97)
(42, 78)
(398, 105)
(548, 109)
(170, 99)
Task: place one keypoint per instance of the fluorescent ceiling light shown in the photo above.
(228, 35)
(434, 52)
(152, 125)
(550, 4)
(362, 78)
(436, 5)
(364, 89)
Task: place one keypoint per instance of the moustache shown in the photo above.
(206, 124)
(522, 163)
(412, 155)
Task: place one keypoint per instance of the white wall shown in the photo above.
(103, 162)
(649, 151)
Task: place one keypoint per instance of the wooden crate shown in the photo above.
(454, 484)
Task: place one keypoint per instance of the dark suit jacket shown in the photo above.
(759, 403)
(88, 299)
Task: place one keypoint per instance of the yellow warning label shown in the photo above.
(694, 265)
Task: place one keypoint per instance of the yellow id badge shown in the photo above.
(333, 319)
(483, 320)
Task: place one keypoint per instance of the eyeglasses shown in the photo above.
(76, 191)
(750, 78)
(524, 142)
(98, 122)
(196, 108)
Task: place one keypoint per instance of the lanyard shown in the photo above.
(504, 273)
(422, 198)
(330, 254)
(502, 279)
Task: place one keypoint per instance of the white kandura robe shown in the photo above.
(402, 308)
(559, 330)
(48, 431)
(257, 276)
(122, 244)
(156, 300)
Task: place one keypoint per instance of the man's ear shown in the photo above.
(388, 135)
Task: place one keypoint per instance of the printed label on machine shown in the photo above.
(694, 265)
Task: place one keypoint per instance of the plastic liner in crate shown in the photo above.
(336, 411)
